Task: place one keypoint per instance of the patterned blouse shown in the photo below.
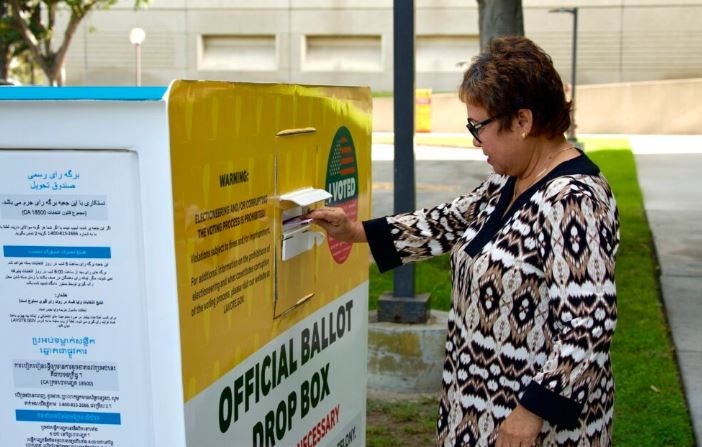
(533, 306)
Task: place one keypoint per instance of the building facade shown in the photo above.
(350, 42)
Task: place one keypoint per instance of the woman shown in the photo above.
(533, 250)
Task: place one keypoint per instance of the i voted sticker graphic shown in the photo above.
(342, 184)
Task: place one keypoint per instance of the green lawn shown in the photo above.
(650, 407)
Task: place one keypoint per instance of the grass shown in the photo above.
(650, 408)
(406, 423)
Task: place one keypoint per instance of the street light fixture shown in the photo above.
(136, 37)
(574, 11)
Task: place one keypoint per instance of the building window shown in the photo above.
(342, 53)
(445, 53)
(238, 53)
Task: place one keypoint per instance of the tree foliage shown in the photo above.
(34, 22)
(11, 44)
(499, 18)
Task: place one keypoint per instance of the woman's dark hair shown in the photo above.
(514, 73)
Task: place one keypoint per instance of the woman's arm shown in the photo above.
(578, 248)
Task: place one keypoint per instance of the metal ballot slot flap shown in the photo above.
(306, 196)
(297, 236)
(299, 241)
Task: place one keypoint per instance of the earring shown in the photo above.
(523, 135)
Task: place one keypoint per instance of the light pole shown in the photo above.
(136, 37)
(574, 11)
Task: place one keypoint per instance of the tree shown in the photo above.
(499, 18)
(35, 23)
(5, 44)
(11, 44)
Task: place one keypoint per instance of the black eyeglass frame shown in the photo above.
(474, 127)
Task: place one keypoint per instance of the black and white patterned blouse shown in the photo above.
(533, 306)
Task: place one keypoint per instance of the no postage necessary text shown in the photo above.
(263, 377)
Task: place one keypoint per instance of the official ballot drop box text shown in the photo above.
(160, 285)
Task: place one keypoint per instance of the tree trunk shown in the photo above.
(499, 18)
(5, 54)
(4, 60)
(55, 73)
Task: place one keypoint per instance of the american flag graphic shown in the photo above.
(343, 161)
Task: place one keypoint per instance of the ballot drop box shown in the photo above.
(160, 284)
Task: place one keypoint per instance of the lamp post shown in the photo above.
(136, 37)
(574, 12)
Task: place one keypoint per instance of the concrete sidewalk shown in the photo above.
(671, 182)
(670, 177)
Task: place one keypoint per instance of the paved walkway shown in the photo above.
(670, 177)
(671, 184)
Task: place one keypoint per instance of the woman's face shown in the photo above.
(504, 149)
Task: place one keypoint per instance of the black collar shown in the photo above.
(580, 165)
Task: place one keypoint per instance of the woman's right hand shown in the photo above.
(337, 224)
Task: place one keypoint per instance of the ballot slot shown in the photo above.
(297, 241)
(297, 234)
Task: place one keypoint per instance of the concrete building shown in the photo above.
(350, 42)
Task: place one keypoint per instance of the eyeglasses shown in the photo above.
(474, 127)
